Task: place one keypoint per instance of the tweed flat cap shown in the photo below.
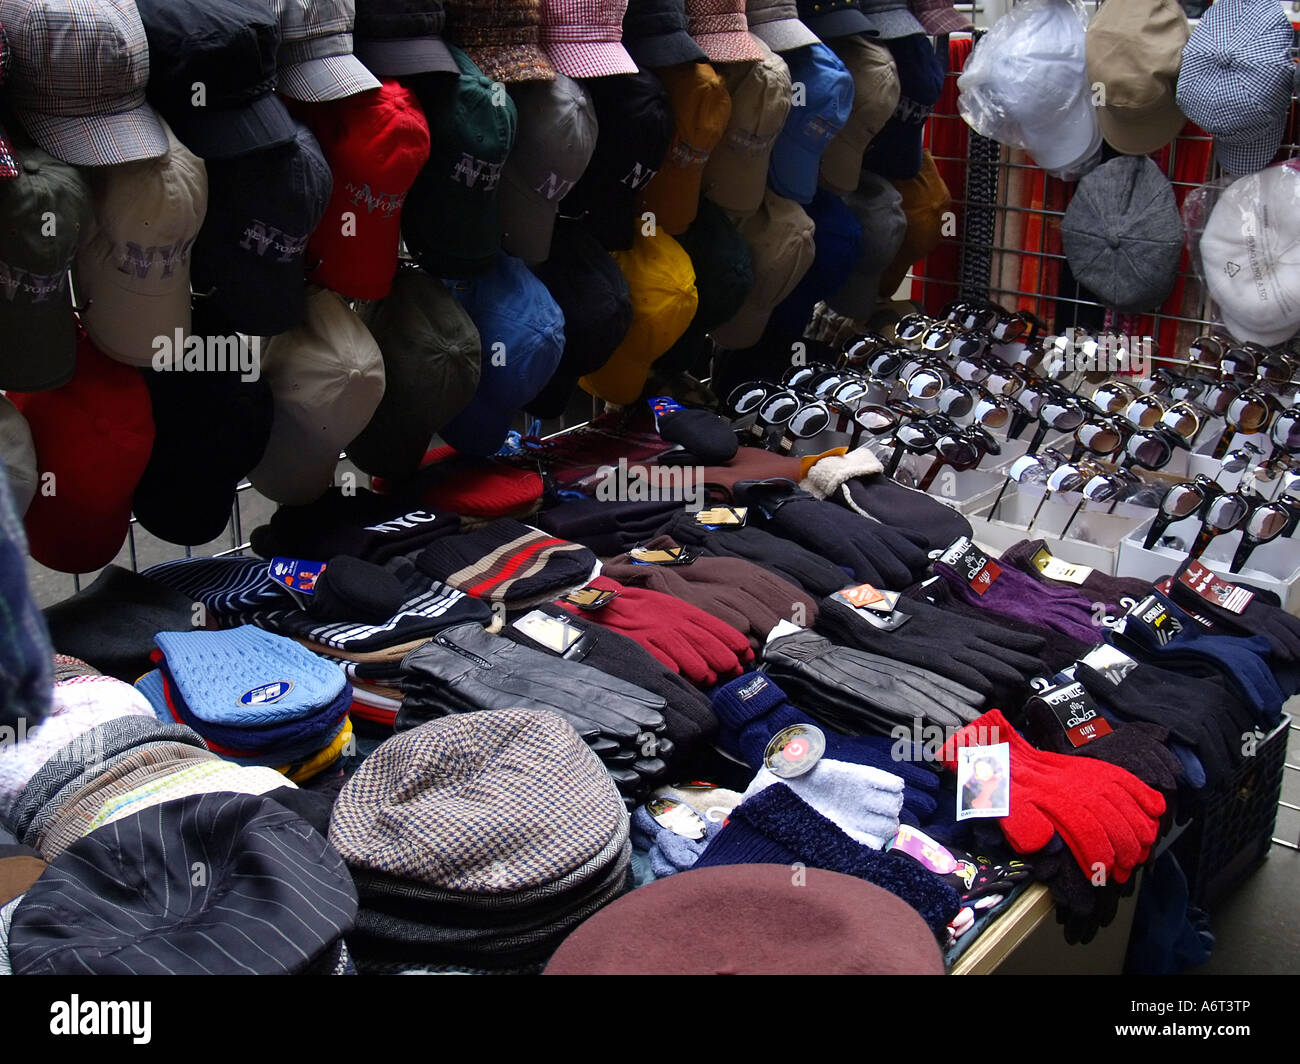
(491, 802)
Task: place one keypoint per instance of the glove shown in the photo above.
(1017, 595)
(1138, 747)
(704, 434)
(686, 639)
(856, 691)
(1106, 815)
(1118, 592)
(862, 802)
(669, 852)
(873, 553)
(972, 653)
(739, 593)
(1081, 908)
(1258, 618)
(815, 574)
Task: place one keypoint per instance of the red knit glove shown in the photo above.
(683, 637)
(1105, 814)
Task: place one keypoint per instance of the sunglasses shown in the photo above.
(1266, 522)
(1180, 502)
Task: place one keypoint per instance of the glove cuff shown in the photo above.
(746, 699)
(826, 476)
(988, 730)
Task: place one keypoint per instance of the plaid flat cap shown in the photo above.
(720, 28)
(502, 37)
(79, 75)
(8, 163)
(494, 802)
(273, 896)
(583, 38)
(315, 58)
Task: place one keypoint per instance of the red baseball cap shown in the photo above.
(376, 143)
(94, 436)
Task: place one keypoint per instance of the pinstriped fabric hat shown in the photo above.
(1236, 80)
(483, 803)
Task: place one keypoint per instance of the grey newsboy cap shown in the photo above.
(1123, 235)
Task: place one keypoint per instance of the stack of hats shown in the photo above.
(479, 842)
(256, 698)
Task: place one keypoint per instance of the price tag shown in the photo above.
(1055, 569)
(297, 577)
(1218, 592)
(972, 565)
(590, 598)
(1110, 661)
(1076, 712)
(664, 556)
(722, 516)
(677, 817)
(554, 633)
(874, 606)
(1153, 615)
(795, 750)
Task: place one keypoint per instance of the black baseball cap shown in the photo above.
(397, 37)
(250, 256)
(228, 47)
(636, 127)
(585, 281)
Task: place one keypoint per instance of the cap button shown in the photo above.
(1113, 241)
(354, 374)
(31, 166)
(1224, 58)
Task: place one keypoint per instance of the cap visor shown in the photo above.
(843, 23)
(669, 49)
(100, 140)
(513, 64)
(1268, 338)
(938, 20)
(294, 470)
(125, 324)
(858, 297)
(214, 133)
(732, 47)
(793, 173)
(527, 222)
(1249, 158)
(1133, 137)
(899, 22)
(391, 58)
(40, 349)
(255, 298)
(480, 429)
(331, 77)
(841, 164)
(1063, 142)
(785, 35)
(174, 508)
(738, 181)
(593, 59)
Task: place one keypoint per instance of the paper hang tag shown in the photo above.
(874, 606)
(1206, 583)
(297, 577)
(920, 846)
(722, 516)
(1110, 661)
(677, 817)
(1056, 569)
(794, 751)
(554, 633)
(665, 556)
(972, 565)
(590, 598)
(983, 781)
(1152, 616)
(1076, 712)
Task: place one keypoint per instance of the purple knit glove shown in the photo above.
(1016, 594)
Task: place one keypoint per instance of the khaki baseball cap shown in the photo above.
(780, 239)
(133, 274)
(925, 201)
(1134, 51)
(327, 377)
(736, 175)
(875, 95)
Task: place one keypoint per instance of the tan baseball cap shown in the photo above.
(925, 201)
(133, 274)
(18, 454)
(780, 239)
(875, 95)
(736, 175)
(327, 377)
(1134, 52)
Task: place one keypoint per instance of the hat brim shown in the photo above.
(99, 140)
(330, 77)
(1133, 136)
(527, 220)
(395, 57)
(939, 20)
(1062, 142)
(785, 35)
(1266, 337)
(8, 160)
(512, 64)
(125, 324)
(843, 23)
(667, 49)
(793, 173)
(590, 59)
(734, 47)
(479, 430)
(892, 24)
(40, 348)
(215, 133)
(1242, 159)
(172, 506)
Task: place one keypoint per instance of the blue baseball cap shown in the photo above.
(839, 242)
(522, 332)
(895, 152)
(828, 102)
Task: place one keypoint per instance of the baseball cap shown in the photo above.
(1122, 234)
(878, 207)
(876, 92)
(133, 274)
(1134, 51)
(926, 200)
(720, 28)
(228, 46)
(187, 490)
(828, 102)
(1237, 78)
(38, 330)
(327, 376)
(655, 34)
(315, 59)
(582, 37)
(701, 110)
(592, 293)
(94, 435)
(735, 176)
(521, 329)
(376, 144)
(502, 37)
(450, 223)
(1250, 255)
(249, 258)
(837, 240)
(431, 355)
(557, 136)
(78, 79)
(636, 127)
(780, 239)
(834, 18)
(18, 454)
(891, 18)
(397, 37)
(8, 162)
(664, 300)
(776, 23)
(895, 150)
(940, 16)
